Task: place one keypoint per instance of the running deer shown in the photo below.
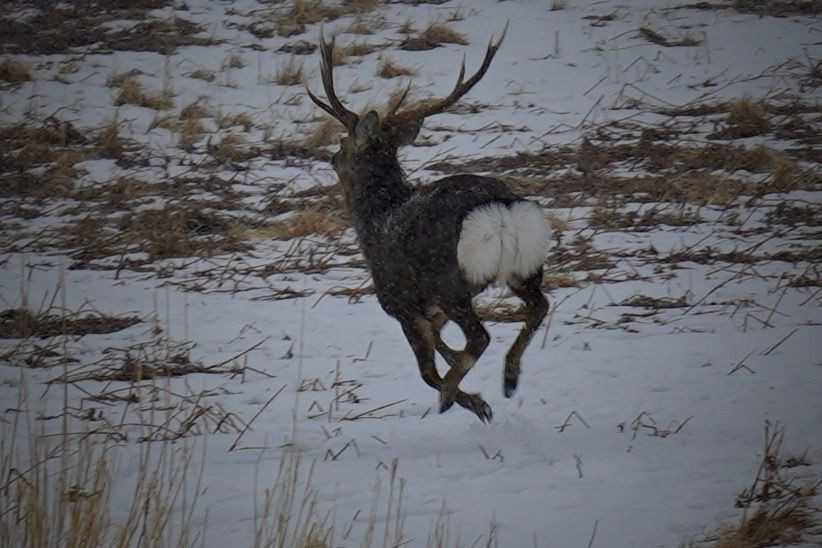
(431, 250)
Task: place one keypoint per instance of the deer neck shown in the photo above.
(373, 193)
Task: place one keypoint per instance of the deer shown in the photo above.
(432, 249)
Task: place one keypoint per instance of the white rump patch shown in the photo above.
(498, 242)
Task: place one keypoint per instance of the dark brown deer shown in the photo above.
(431, 250)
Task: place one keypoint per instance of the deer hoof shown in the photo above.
(446, 401)
(509, 384)
(477, 405)
(483, 411)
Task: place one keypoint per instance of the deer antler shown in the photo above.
(336, 109)
(433, 106)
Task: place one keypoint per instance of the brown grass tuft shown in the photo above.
(706, 189)
(289, 73)
(746, 119)
(225, 121)
(388, 68)
(231, 148)
(20, 323)
(177, 230)
(777, 508)
(306, 222)
(234, 61)
(109, 143)
(194, 110)
(133, 93)
(435, 35)
(305, 12)
(13, 71)
(119, 78)
(442, 33)
(360, 25)
(358, 49)
(203, 74)
(326, 132)
(360, 6)
(191, 131)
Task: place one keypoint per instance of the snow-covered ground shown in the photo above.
(670, 344)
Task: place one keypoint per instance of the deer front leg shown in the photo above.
(461, 362)
(536, 307)
(438, 319)
(422, 338)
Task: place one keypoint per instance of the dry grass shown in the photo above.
(307, 222)
(767, 528)
(779, 8)
(242, 119)
(133, 93)
(203, 74)
(119, 78)
(305, 12)
(289, 73)
(13, 72)
(191, 132)
(705, 189)
(109, 142)
(435, 35)
(358, 49)
(442, 33)
(59, 490)
(689, 39)
(177, 231)
(21, 323)
(194, 110)
(231, 148)
(361, 6)
(388, 68)
(326, 132)
(746, 119)
(362, 26)
(776, 509)
(233, 61)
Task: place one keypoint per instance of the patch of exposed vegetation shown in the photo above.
(203, 74)
(132, 92)
(157, 35)
(388, 68)
(293, 20)
(435, 35)
(21, 323)
(13, 72)
(778, 8)
(289, 73)
(689, 39)
(65, 27)
(776, 507)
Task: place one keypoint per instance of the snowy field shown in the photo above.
(191, 352)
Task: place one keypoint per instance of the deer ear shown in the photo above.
(367, 127)
(405, 134)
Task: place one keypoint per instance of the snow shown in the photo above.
(567, 460)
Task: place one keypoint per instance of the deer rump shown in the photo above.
(464, 226)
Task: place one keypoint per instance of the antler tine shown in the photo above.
(336, 109)
(400, 101)
(427, 108)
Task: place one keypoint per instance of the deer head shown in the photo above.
(371, 140)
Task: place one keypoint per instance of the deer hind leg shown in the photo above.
(536, 307)
(422, 337)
